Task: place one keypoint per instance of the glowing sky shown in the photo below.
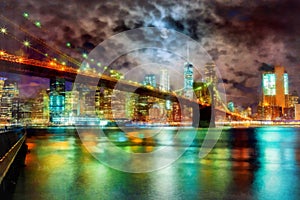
(239, 35)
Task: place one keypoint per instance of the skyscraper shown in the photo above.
(150, 79)
(210, 73)
(176, 114)
(2, 81)
(164, 80)
(9, 100)
(274, 91)
(56, 99)
(131, 106)
(188, 80)
(72, 104)
(39, 108)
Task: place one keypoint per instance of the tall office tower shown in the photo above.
(188, 80)
(165, 85)
(87, 107)
(2, 81)
(39, 108)
(72, 103)
(56, 99)
(156, 114)
(2, 112)
(10, 94)
(142, 108)
(118, 105)
(230, 106)
(210, 73)
(46, 110)
(57, 85)
(97, 101)
(23, 110)
(297, 112)
(290, 101)
(164, 80)
(103, 100)
(275, 89)
(150, 79)
(176, 115)
(130, 107)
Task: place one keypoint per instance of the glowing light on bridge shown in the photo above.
(36, 39)
(68, 44)
(26, 43)
(26, 15)
(3, 30)
(38, 24)
(84, 55)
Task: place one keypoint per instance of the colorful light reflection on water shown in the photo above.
(254, 163)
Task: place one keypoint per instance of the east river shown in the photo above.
(245, 163)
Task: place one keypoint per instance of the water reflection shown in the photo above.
(278, 175)
(257, 163)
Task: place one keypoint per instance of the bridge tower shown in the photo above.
(206, 115)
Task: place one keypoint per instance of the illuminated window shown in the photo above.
(269, 84)
(286, 83)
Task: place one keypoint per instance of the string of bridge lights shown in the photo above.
(26, 43)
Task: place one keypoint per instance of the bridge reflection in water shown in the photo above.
(260, 163)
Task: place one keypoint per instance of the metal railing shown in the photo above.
(9, 157)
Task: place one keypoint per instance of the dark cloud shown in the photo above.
(266, 67)
(250, 23)
(244, 74)
(215, 53)
(292, 58)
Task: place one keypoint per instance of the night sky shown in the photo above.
(240, 36)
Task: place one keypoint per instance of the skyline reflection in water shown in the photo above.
(254, 163)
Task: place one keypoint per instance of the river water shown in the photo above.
(246, 163)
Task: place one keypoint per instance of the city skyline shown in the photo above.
(29, 88)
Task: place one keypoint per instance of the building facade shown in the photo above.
(274, 93)
(188, 80)
(9, 104)
(56, 99)
(150, 79)
(164, 80)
